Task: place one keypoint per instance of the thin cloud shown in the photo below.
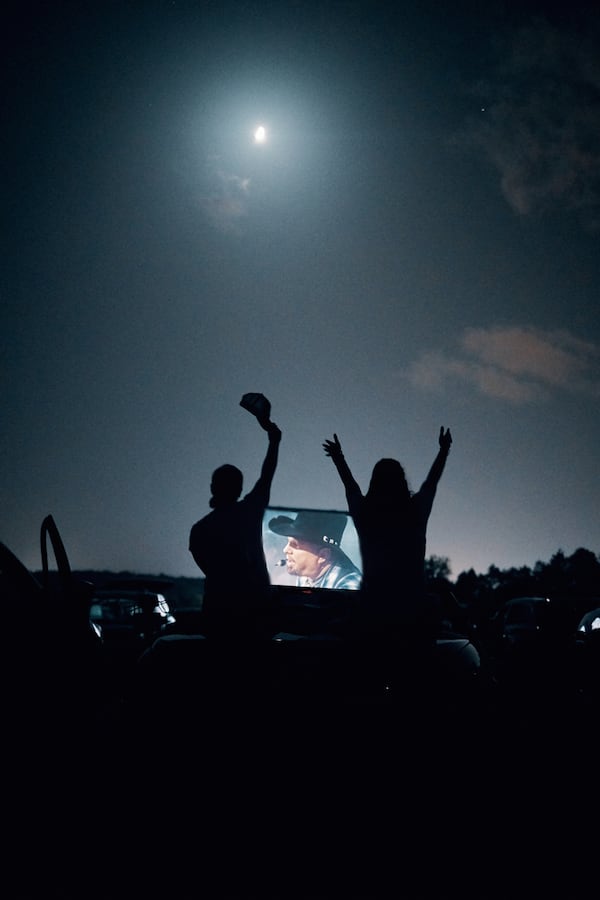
(516, 364)
(225, 204)
(539, 123)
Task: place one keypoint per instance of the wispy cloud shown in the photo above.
(516, 364)
(225, 202)
(539, 123)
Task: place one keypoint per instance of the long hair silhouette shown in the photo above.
(388, 486)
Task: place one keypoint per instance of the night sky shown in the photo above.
(415, 244)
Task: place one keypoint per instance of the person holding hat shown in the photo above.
(312, 552)
(230, 537)
(391, 522)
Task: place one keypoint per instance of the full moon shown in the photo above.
(260, 134)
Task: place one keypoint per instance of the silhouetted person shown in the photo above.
(229, 540)
(391, 522)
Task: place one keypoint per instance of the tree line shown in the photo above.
(571, 580)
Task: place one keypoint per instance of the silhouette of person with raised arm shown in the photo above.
(391, 522)
(230, 539)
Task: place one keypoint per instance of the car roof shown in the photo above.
(528, 600)
(114, 594)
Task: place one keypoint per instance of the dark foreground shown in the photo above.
(244, 772)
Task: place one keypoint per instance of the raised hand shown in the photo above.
(258, 405)
(445, 438)
(333, 448)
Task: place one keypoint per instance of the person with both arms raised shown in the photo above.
(391, 522)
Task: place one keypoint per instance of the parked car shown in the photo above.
(530, 649)
(585, 657)
(589, 626)
(54, 652)
(131, 616)
(523, 621)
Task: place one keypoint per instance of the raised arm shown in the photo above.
(437, 467)
(270, 461)
(260, 407)
(333, 449)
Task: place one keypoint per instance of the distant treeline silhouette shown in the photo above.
(574, 578)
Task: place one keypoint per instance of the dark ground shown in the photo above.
(210, 779)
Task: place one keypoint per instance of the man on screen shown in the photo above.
(312, 552)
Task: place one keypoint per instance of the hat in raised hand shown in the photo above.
(258, 405)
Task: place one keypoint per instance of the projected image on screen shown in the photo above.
(311, 548)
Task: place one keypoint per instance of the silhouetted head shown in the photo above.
(388, 483)
(226, 485)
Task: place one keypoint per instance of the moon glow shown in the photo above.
(260, 134)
